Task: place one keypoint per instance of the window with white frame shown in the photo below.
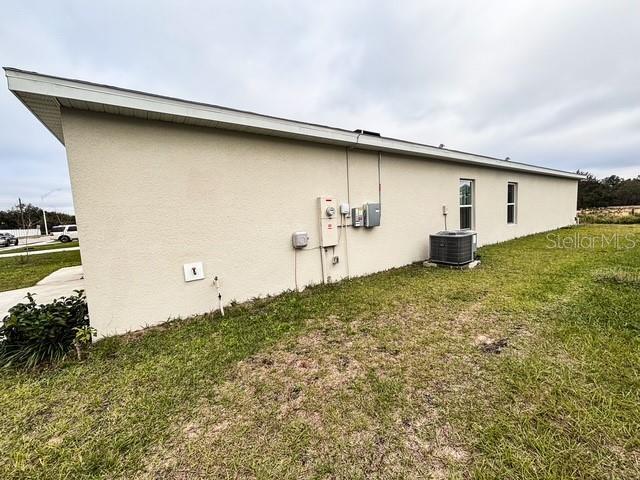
(466, 204)
(512, 202)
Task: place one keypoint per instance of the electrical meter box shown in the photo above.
(371, 215)
(328, 206)
(329, 220)
(356, 217)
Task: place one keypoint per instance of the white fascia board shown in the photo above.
(28, 82)
(55, 87)
(415, 149)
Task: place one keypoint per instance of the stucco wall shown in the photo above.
(232, 200)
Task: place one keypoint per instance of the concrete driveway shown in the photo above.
(60, 283)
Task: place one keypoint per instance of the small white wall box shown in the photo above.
(193, 271)
(371, 215)
(344, 209)
(300, 239)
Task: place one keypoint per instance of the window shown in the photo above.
(466, 204)
(512, 200)
(73, 229)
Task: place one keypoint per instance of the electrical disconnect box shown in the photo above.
(300, 239)
(329, 221)
(371, 215)
(356, 217)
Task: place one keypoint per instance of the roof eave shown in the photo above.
(42, 95)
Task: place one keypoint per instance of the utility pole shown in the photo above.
(21, 207)
(44, 213)
(26, 237)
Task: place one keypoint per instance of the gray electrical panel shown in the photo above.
(371, 213)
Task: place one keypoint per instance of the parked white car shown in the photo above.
(64, 233)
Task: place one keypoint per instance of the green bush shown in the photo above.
(32, 334)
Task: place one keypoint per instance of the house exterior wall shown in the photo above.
(232, 200)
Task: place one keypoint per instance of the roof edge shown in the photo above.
(45, 87)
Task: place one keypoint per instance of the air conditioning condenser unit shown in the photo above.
(455, 247)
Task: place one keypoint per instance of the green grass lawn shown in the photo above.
(21, 272)
(526, 367)
(30, 248)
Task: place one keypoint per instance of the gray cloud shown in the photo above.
(551, 83)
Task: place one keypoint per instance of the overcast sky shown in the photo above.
(553, 83)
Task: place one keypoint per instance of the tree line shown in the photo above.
(611, 191)
(30, 216)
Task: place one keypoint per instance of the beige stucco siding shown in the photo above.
(151, 196)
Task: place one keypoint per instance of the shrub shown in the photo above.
(32, 333)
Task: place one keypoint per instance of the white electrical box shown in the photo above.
(300, 239)
(329, 220)
(344, 209)
(193, 271)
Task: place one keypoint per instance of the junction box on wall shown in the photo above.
(300, 239)
(371, 215)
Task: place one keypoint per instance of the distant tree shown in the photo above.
(591, 193)
(628, 192)
(612, 181)
(609, 191)
(12, 219)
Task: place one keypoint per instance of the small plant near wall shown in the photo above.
(83, 338)
(32, 334)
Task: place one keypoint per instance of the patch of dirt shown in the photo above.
(489, 345)
(191, 430)
(434, 444)
(448, 447)
(469, 314)
(54, 441)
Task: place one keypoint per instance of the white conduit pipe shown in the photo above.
(342, 218)
(217, 285)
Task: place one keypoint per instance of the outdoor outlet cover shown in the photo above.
(193, 271)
